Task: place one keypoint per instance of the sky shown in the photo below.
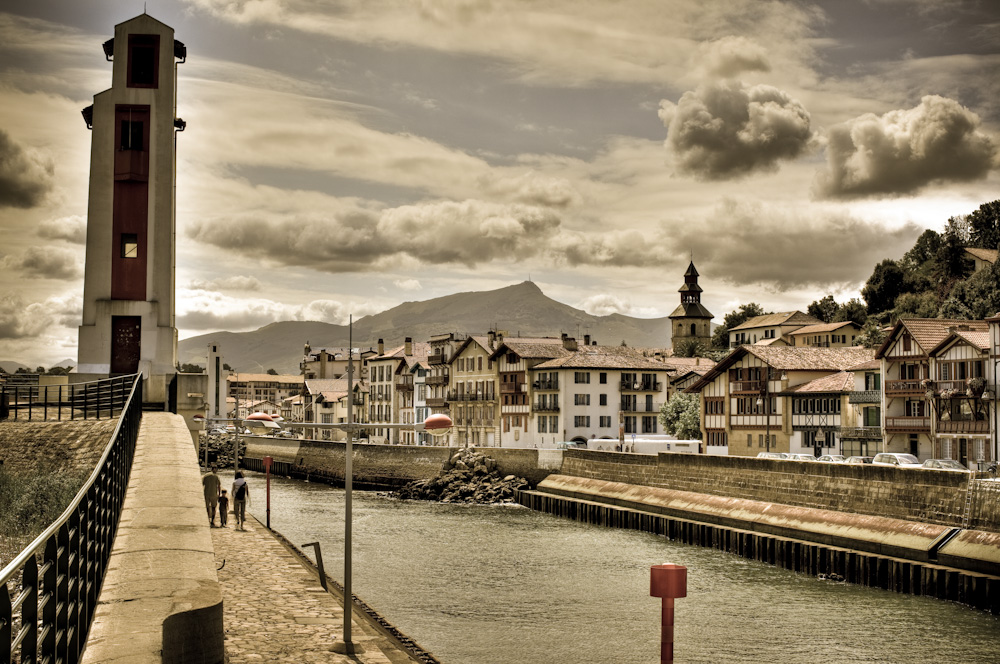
(344, 156)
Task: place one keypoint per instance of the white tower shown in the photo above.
(128, 292)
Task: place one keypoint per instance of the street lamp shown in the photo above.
(765, 400)
(436, 425)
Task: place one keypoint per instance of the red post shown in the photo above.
(267, 470)
(667, 582)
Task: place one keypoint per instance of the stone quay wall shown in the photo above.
(937, 497)
(385, 466)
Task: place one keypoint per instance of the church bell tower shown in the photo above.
(128, 295)
(690, 321)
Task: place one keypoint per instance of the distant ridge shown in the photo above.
(518, 310)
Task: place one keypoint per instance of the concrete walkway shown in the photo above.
(275, 609)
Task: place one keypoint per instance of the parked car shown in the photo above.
(772, 455)
(896, 459)
(859, 459)
(833, 458)
(800, 457)
(945, 464)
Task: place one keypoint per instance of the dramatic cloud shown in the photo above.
(467, 233)
(19, 320)
(72, 229)
(25, 176)
(752, 244)
(903, 151)
(532, 189)
(731, 56)
(45, 263)
(236, 283)
(730, 130)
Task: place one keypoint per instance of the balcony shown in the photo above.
(908, 424)
(958, 386)
(404, 383)
(861, 433)
(963, 426)
(904, 388)
(641, 386)
(746, 387)
(640, 407)
(436, 403)
(546, 385)
(545, 408)
(513, 388)
(866, 396)
(436, 358)
(437, 380)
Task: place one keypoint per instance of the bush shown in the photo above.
(32, 500)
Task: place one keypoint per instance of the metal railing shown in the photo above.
(91, 400)
(57, 578)
(865, 396)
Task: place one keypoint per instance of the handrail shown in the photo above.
(90, 399)
(62, 570)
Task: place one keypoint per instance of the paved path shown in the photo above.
(275, 609)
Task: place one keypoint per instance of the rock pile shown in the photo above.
(468, 477)
(220, 449)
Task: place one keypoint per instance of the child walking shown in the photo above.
(223, 509)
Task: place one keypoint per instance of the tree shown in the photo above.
(883, 287)
(975, 298)
(720, 338)
(272, 372)
(824, 309)
(190, 368)
(951, 261)
(852, 310)
(690, 348)
(681, 416)
(916, 305)
(984, 226)
(872, 334)
(59, 371)
(226, 367)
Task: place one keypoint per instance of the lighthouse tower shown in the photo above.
(128, 293)
(690, 320)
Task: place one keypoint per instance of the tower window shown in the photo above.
(131, 135)
(143, 52)
(130, 245)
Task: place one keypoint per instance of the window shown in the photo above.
(132, 137)
(605, 421)
(581, 399)
(648, 424)
(581, 421)
(603, 378)
(130, 245)
(480, 363)
(143, 57)
(630, 424)
(716, 438)
(581, 377)
(542, 424)
(604, 399)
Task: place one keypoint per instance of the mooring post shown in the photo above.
(668, 582)
(319, 563)
(267, 469)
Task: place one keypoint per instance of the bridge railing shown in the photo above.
(91, 400)
(49, 592)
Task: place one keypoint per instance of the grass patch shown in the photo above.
(31, 501)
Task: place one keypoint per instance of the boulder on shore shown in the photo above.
(467, 477)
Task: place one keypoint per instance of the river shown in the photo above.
(503, 584)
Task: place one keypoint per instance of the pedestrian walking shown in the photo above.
(212, 485)
(223, 509)
(241, 496)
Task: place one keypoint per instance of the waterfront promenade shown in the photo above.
(168, 597)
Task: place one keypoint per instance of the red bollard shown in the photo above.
(667, 581)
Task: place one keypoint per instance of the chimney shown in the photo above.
(381, 347)
(586, 340)
(305, 350)
(569, 343)
(491, 338)
(408, 346)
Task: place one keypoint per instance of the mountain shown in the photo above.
(519, 310)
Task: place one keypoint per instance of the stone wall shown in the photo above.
(910, 494)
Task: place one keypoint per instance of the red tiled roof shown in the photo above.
(842, 381)
(929, 332)
(783, 318)
(822, 327)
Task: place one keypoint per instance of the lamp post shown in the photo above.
(765, 401)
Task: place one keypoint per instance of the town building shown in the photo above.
(960, 416)
(473, 392)
(332, 362)
(255, 387)
(982, 258)
(770, 328)
(777, 399)
(907, 378)
(826, 335)
(513, 359)
(128, 293)
(864, 436)
(442, 349)
(384, 400)
(609, 392)
(690, 322)
(326, 402)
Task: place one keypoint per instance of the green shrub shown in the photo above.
(32, 500)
